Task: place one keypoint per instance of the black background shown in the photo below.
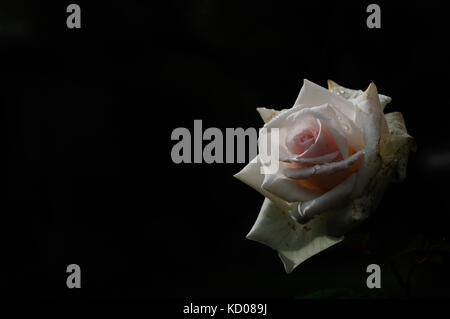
(88, 114)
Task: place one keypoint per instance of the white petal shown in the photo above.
(312, 94)
(384, 100)
(294, 242)
(331, 123)
(287, 189)
(340, 222)
(342, 91)
(251, 175)
(284, 118)
(352, 132)
(402, 143)
(297, 123)
(299, 118)
(370, 118)
(352, 94)
(324, 169)
(333, 199)
(312, 160)
(321, 145)
(267, 114)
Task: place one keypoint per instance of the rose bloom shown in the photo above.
(337, 152)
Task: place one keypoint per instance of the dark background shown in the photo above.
(87, 119)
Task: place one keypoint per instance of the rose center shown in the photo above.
(302, 141)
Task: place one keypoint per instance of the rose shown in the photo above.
(337, 152)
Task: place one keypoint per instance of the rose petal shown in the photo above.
(402, 143)
(335, 198)
(295, 243)
(251, 175)
(342, 91)
(327, 141)
(267, 114)
(299, 118)
(352, 132)
(312, 160)
(328, 120)
(287, 189)
(306, 124)
(324, 169)
(344, 220)
(312, 94)
(350, 94)
(370, 118)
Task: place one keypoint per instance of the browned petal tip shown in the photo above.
(371, 90)
(331, 84)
